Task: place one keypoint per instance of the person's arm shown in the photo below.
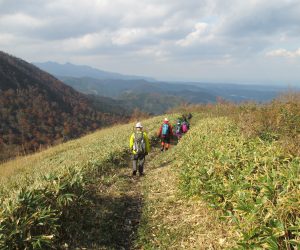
(171, 130)
(159, 131)
(131, 142)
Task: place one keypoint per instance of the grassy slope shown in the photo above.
(97, 148)
(39, 193)
(171, 221)
(202, 165)
(149, 212)
(252, 181)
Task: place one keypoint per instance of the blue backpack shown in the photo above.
(165, 129)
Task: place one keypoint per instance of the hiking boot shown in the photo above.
(134, 173)
(141, 174)
(162, 149)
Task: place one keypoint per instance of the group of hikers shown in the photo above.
(140, 145)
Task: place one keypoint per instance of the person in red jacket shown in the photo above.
(165, 133)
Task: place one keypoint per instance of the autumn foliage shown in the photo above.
(37, 110)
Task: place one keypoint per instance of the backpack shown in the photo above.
(184, 127)
(139, 145)
(178, 128)
(165, 129)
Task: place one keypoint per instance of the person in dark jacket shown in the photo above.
(165, 133)
(178, 129)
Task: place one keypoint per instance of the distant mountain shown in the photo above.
(116, 88)
(129, 94)
(152, 103)
(38, 109)
(72, 70)
(92, 81)
(242, 92)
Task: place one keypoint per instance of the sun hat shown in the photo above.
(138, 125)
(166, 119)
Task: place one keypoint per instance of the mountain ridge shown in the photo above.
(36, 109)
(193, 92)
(73, 70)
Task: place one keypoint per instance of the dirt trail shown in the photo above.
(175, 222)
(113, 218)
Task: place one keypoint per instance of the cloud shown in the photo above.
(150, 32)
(201, 32)
(284, 53)
(20, 23)
(263, 18)
(127, 36)
(154, 52)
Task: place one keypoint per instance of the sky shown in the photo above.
(253, 41)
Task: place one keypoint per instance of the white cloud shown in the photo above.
(151, 32)
(155, 52)
(20, 23)
(144, 15)
(284, 53)
(128, 36)
(86, 42)
(201, 33)
(6, 39)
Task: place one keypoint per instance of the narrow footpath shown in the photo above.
(171, 221)
(147, 212)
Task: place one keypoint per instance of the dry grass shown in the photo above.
(56, 182)
(249, 179)
(278, 120)
(174, 222)
(76, 152)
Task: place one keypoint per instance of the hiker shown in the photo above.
(185, 124)
(165, 133)
(140, 147)
(178, 129)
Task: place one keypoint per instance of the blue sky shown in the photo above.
(254, 41)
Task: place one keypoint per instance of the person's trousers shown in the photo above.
(165, 143)
(138, 163)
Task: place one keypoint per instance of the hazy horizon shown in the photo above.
(253, 42)
(186, 81)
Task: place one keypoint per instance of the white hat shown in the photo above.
(138, 125)
(166, 119)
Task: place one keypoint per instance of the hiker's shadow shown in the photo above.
(119, 221)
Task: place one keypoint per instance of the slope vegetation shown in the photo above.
(41, 195)
(216, 189)
(37, 109)
(253, 182)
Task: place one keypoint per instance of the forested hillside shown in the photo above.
(154, 98)
(37, 110)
